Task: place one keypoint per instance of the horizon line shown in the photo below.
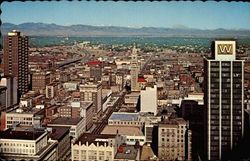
(134, 27)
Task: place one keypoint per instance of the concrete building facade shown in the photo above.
(77, 125)
(172, 139)
(149, 100)
(3, 103)
(92, 92)
(96, 147)
(10, 82)
(26, 145)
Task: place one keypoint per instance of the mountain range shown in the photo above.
(43, 29)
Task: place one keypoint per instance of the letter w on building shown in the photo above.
(225, 48)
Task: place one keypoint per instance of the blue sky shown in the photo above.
(202, 15)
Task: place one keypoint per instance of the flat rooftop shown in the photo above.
(94, 138)
(58, 133)
(122, 130)
(65, 121)
(20, 135)
(33, 111)
(127, 152)
(86, 104)
(172, 122)
(124, 116)
(133, 94)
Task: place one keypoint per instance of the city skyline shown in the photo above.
(201, 15)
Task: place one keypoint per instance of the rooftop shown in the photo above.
(127, 152)
(65, 121)
(173, 122)
(93, 138)
(86, 104)
(124, 116)
(90, 84)
(94, 63)
(58, 133)
(123, 130)
(20, 135)
(20, 110)
(133, 94)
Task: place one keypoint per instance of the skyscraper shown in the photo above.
(92, 91)
(15, 60)
(224, 100)
(134, 70)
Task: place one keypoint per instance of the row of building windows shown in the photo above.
(92, 155)
(16, 144)
(17, 118)
(126, 122)
(135, 140)
(173, 139)
(21, 122)
(16, 150)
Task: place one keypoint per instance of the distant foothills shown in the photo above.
(43, 29)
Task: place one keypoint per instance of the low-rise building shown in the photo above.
(110, 102)
(125, 119)
(127, 153)
(71, 86)
(96, 147)
(23, 117)
(132, 133)
(26, 145)
(61, 136)
(132, 98)
(172, 140)
(77, 125)
(78, 109)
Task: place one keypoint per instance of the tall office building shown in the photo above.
(224, 100)
(92, 91)
(40, 80)
(15, 60)
(134, 70)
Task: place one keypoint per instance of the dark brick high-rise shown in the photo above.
(15, 58)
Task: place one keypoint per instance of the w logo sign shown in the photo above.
(225, 48)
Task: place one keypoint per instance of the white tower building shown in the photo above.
(149, 100)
